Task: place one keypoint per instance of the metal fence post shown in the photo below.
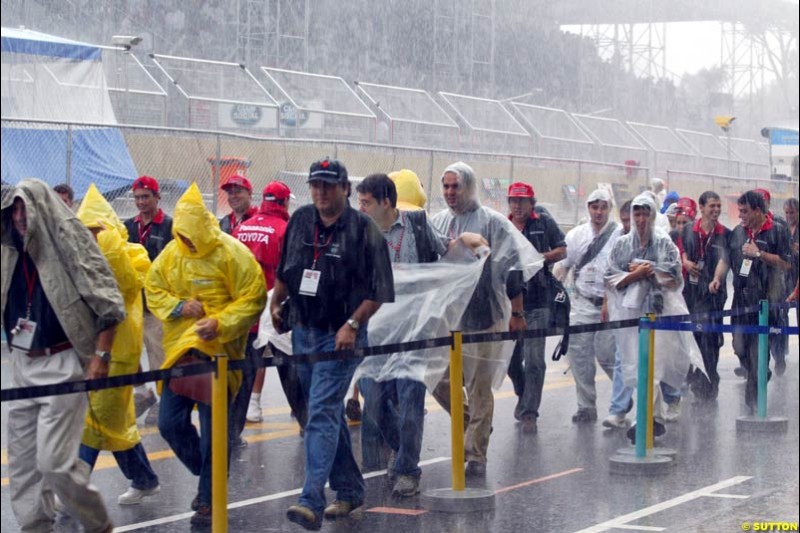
(216, 176)
(430, 182)
(578, 192)
(69, 155)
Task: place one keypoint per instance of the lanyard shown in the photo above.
(234, 223)
(144, 233)
(705, 241)
(399, 245)
(30, 283)
(317, 250)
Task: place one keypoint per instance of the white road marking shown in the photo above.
(640, 528)
(734, 496)
(252, 501)
(622, 521)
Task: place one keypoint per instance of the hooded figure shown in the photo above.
(513, 262)
(57, 288)
(644, 276)
(208, 289)
(410, 194)
(110, 421)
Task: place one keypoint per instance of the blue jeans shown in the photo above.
(621, 395)
(193, 450)
(329, 453)
(132, 462)
(671, 394)
(394, 411)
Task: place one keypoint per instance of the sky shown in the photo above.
(692, 46)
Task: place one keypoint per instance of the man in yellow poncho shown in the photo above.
(110, 420)
(208, 289)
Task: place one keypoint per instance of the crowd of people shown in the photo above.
(85, 295)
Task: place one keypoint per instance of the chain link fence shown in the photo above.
(179, 157)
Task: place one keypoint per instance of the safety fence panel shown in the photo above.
(112, 157)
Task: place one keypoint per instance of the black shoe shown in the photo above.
(195, 503)
(658, 430)
(780, 366)
(237, 443)
(475, 469)
(740, 371)
(353, 410)
(585, 414)
(202, 517)
(529, 424)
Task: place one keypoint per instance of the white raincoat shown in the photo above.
(675, 350)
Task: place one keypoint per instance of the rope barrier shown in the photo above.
(668, 323)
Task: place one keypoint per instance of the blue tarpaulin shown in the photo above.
(99, 156)
(22, 41)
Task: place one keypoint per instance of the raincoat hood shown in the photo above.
(193, 221)
(410, 194)
(466, 178)
(96, 212)
(671, 198)
(39, 199)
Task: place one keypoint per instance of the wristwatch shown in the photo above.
(517, 314)
(104, 356)
(353, 323)
(758, 254)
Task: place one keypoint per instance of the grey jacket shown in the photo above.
(74, 274)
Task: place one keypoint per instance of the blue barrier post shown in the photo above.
(642, 387)
(763, 362)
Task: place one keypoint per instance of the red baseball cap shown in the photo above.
(520, 190)
(146, 182)
(239, 180)
(764, 193)
(687, 206)
(277, 190)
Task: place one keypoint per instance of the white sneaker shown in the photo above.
(673, 412)
(134, 496)
(254, 410)
(616, 421)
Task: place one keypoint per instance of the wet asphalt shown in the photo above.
(557, 479)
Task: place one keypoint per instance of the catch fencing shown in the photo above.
(177, 157)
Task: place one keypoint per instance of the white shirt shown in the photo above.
(590, 281)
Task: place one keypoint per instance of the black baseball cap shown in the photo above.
(327, 170)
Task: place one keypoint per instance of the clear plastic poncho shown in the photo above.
(489, 307)
(438, 294)
(660, 294)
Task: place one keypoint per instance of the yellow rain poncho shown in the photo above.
(221, 273)
(110, 419)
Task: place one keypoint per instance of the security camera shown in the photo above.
(126, 41)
